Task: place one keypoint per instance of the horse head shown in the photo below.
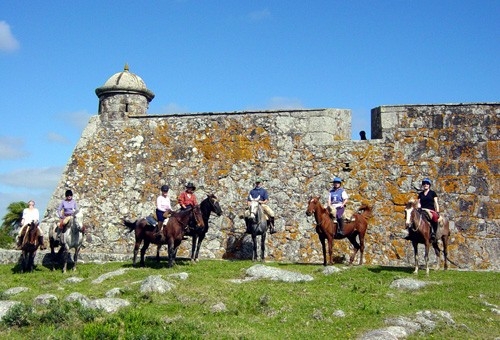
(311, 205)
(214, 203)
(32, 232)
(77, 222)
(410, 209)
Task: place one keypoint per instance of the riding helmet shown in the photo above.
(336, 180)
(190, 185)
(164, 188)
(68, 193)
(426, 180)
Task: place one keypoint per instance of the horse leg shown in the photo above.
(136, 250)
(65, 258)
(158, 253)
(352, 239)
(323, 247)
(194, 240)
(143, 251)
(75, 257)
(415, 253)
(262, 246)
(445, 251)
(198, 245)
(254, 247)
(330, 250)
(437, 251)
(426, 257)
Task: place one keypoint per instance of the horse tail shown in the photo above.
(130, 225)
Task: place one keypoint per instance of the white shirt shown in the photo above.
(163, 203)
(30, 215)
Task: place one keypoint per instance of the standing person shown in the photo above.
(337, 199)
(163, 208)
(428, 201)
(258, 192)
(30, 214)
(67, 207)
(187, 198)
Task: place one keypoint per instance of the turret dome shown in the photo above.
(125, 81)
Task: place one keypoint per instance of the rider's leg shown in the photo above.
(340, 225)
(20, 238)
(270, 218)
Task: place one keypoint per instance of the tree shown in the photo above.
(11, 221)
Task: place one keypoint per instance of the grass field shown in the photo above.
(260, 309)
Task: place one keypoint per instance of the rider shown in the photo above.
(187, 200)
(163, 207)
(337, 199)
(428, 201)
(258, 192)
(30, 214)
(66, 208)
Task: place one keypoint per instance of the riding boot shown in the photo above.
(159, 225)
(340, 226)
(433, 230)
(40, 242)
(271, 225)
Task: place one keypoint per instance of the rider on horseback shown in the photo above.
(163, 208)
(428, 201)
(66, 209)
(337, 199)
(260, 194)
(187, 199)
(30, 214)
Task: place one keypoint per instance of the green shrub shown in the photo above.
(19, 315)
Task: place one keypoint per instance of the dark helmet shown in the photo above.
(164, 188)
(68, 193)
(426, 181)
(190, 185)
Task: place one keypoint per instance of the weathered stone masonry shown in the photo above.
(125, 155)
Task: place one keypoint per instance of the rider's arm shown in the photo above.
(436, 204)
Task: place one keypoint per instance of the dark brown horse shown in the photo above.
(419, 232)
(207, 206)
(30, 243)
(327, 229)
(176, 227)
(145, 234)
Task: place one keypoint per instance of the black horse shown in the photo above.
(257, 225)
(207, 206)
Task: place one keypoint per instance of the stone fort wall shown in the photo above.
(118, 166)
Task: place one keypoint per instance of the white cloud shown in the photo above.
(78, 119)
(174, 108)
(57, 138)
(259, 15)
(284, 103)
(12, 148)
(36, 178)
(7, 41)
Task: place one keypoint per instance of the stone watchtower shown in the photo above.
(124, 94)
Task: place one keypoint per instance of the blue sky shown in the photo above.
(227, 55)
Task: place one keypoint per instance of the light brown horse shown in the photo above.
(327, 229)
(419, 230)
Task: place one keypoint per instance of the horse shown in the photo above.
(419, 230)
(176, 226)
(144, 232)
(257, 224)
(29, 246)
(207, 206)
(70, 237)
(327, 229)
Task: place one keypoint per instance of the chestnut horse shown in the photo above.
(207, 206)
(29, 247)
(176, 227)
(327, 229)
(419, 232)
